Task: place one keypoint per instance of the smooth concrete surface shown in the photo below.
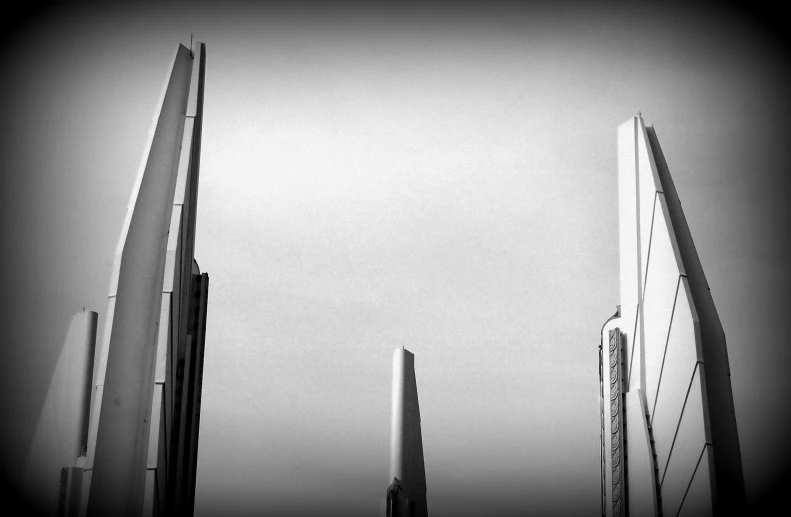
(727, 479)
(648, 187)
(406, 441)
(687, 447)
(681, 373)
(676, 358)
(142, 406)
(641, 500)
(117, 486)
(62, 430)
(627, 239)
(658, 303)
(697, 501)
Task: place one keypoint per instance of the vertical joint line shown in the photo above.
(664, 354)
(678, 425)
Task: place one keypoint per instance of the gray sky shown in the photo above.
(442, 178)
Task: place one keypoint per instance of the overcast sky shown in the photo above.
(442, 178)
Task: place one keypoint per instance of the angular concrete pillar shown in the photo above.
(56, 457)
(137, 402)
(669, 439)
(407, 490)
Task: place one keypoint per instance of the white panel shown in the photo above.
(116, 271)
(661, 286)
(642, 490)
(100, 366)
(119, 454)
(633, 356)
(86, 489)
(661, 208)
(687, 449)
(184, 162)
(149, 497)
(61, 432)
(680, 363)
(192, 104)
(156, 422)
(648, 184)
(697, 502)
(172, 261)
(627, 217)
(406, 453)
(130, 206)
(73, 384)
(93, 425)
(163, 335)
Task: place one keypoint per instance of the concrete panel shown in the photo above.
(116, 271)
(627, 231)
(641, 483)
(406, 442)
(163, 457)
(687, 448)
(176, 298)
(93, 426)
(674, 350)
(85, 490)
(663, 211)
(677, 372)
(633, 350)
(195, 102)
(172, 258)
(62, 429)
(100, 360)
(697, 501)
(662, 283)
(163, 338)
(185, 162)
(74, 496)
(157, 422)
(647, 185)
(150, 493)
(726, 456)
(122, 440)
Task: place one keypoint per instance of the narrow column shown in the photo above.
(120, 456)
(406, 494)
(53, 469)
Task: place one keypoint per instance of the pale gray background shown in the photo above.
(442, 178)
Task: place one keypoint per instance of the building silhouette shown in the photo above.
(126, 414)
(669, 444)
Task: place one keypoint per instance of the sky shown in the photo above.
(439, 177)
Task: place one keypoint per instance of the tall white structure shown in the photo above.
(669, 440)
(134, 452)
(52, 477)
(142, 442)
(406, 495)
